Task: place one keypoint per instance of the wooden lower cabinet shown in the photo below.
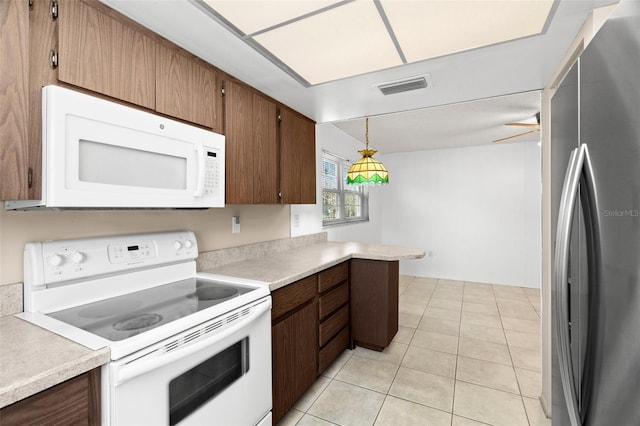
(333, 314)
(74, 402)
(294, 340)
(374, 302)
(309, 329)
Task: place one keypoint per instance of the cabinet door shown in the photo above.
(295, 357)
(186, 87)
(265, 151)
(76, 401)
(101, 53)
(297, 158)
(251, 146)
(14, 98)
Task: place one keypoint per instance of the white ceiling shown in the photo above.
(451, 126)
(517, 66)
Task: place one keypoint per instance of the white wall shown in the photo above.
(476, 209)
(307, 219)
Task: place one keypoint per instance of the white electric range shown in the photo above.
(186, 347)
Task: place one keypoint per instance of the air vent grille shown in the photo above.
(403, 85)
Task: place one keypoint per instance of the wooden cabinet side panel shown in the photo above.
(295, 358)
(76, 401)
(14, 115)
(239, 136)
(100, 53)
(374, 302)
(265, 152)
(308, 164)
(185, 87)
(43, 37)
(393, 276)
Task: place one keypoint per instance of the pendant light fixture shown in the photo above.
(367, 170)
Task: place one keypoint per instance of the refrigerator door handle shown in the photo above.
(579, 168)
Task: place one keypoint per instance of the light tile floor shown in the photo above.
(465, 354)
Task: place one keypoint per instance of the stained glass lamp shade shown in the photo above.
(367, 170)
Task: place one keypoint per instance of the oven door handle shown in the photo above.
(127, 369)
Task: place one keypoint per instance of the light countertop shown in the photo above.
(284, 267)
(33, 359)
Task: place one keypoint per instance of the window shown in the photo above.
(341, 203)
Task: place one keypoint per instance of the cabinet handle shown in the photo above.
(30, 178)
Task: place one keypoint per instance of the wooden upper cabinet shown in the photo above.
(14, 99)
(251, 146)
(101, 53)
(186, 88)
(297, 158)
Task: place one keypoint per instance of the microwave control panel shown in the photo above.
(212, 173)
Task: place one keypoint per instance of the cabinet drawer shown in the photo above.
(334, 348)
(333, 300)
(332, 276)
(333, 324)
(292, 296)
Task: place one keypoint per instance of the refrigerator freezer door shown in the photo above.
(610, 125)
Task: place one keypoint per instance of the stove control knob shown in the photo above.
(177, 245)
(188, 244)
(56, 260)
(77, 257)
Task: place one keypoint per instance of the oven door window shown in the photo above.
(203, 382)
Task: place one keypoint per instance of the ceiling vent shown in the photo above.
(407, 85)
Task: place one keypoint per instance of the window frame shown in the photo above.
(362, 191)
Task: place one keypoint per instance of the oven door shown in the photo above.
(218, 373)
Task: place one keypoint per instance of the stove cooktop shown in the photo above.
(121, 317)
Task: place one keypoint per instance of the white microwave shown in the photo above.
(100, 154)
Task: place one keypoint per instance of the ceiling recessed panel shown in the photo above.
(342, 42)
(251, 16)
(428, 29)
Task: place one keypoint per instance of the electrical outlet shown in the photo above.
(429, 254)
(235, 224)
(296, 220)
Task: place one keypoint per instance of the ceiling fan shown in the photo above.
(535, 127)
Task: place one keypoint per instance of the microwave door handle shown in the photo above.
(200, 158)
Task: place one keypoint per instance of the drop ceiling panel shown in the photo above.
(430, 29)
(251, 16)
(341, 42)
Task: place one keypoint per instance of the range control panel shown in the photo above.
(54, 262)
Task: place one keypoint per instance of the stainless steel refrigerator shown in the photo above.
(595, 138)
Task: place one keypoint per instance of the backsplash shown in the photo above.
(10, 299)
(216, 258)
